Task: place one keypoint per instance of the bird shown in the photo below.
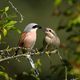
(28, 40)
(51, 40)
(28, 36)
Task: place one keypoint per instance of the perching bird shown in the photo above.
(28, 39)
(51, 40)
(28, 36)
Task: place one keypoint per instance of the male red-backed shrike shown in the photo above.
(28, 39)
(28, 36)
(51, 39)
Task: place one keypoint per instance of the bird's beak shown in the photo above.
(39, 27)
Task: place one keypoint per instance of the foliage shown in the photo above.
(5, 76)
(7, 22)
(70, 22)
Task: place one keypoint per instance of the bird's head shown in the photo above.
(49, 32)
(32, 27)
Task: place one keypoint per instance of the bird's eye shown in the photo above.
(49, 30)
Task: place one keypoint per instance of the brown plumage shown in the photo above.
(51, 40)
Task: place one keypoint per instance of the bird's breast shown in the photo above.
(31, 36)
(30, 39)
(52, 40)
(48, 40)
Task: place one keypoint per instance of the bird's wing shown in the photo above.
(21, 41)
(44, 46)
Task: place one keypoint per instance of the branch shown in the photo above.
(21, 16)
(12, 57)
(6, 53)
(10, 53)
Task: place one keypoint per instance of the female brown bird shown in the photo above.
(51, 40)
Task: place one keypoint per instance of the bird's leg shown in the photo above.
(46, 50)
(37, 51)
(43, 50)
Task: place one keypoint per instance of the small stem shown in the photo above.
(65, 73)
(59, 56)
(12, 57)
(6, 14)
(21, 16)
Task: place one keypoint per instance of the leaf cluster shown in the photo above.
(7, 22)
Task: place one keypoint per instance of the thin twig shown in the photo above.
(59, 56)
(14, 48)
(21, 16)
(12, 57)
(65, 72)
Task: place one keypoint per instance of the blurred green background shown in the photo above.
(63, 16)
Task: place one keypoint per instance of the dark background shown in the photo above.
(41, 12)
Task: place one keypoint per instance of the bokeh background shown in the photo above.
(62, 16)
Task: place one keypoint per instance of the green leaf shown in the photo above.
(57, 2)
(2, 67)
(78, 49)
(5, 75)
(10, 24)
(0, 37)
(6, 8)
(71, 2)
(4, 32)
(74, 21)
(18, 31)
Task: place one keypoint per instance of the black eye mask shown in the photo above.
(37, 26)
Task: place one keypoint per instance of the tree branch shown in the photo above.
(21, 16)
